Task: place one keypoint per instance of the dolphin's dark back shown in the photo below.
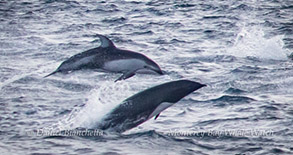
(137, 108)
(171, 91)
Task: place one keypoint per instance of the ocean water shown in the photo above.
(241, 49)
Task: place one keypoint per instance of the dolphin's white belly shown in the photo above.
(160, 108)
(124, 65)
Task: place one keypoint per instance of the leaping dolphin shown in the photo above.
(144, 105)
(107, 57)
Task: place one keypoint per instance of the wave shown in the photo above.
(231, 100)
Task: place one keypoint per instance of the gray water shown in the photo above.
(239, 49)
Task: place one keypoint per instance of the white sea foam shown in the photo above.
(251, 41)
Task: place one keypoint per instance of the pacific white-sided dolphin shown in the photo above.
(107, 57)
(146, 104)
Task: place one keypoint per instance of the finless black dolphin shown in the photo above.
(144, 105)
(107, 57)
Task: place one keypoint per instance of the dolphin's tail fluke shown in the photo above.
(51, 74)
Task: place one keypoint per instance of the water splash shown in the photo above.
(251, 41)
(100, 102)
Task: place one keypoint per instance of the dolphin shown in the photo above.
(146, 104)
(108, 58)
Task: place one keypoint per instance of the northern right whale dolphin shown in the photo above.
(107, 57)
(147, 104)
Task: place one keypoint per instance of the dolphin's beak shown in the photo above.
(155, 68)
(158, 70)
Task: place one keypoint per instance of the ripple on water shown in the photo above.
(220, 121)
(115, 20)
(226, 100)
(234, 91)
(70, 86)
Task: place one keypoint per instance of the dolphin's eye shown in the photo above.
(145, 66)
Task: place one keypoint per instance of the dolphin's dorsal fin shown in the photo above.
(105, 42)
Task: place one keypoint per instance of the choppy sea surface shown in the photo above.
(240, 49)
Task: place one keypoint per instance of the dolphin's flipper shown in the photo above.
(126, 75)
(157, 116)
